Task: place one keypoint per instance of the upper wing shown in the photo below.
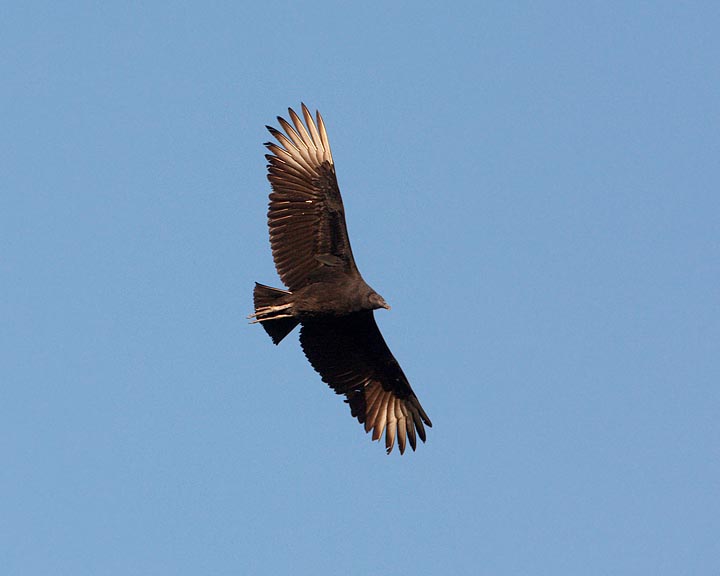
(351, 356)
(306, 215)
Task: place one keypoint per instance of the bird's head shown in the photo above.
(377, 301)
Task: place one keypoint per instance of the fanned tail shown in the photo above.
(273, 309)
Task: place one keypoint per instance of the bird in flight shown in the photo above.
(326, 294)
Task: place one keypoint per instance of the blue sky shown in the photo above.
(532, 187)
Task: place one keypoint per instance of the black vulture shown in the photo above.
(326, 293)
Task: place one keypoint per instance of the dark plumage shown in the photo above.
(326, 293)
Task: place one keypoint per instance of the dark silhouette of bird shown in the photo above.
(326, 294)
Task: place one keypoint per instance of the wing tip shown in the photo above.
(310, 137)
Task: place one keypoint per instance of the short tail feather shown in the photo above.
(264, 296)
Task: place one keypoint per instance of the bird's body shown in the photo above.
(326, 293)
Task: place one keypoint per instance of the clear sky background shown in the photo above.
(533, 187)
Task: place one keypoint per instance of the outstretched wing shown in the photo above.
(306, 217)
(351, 356)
